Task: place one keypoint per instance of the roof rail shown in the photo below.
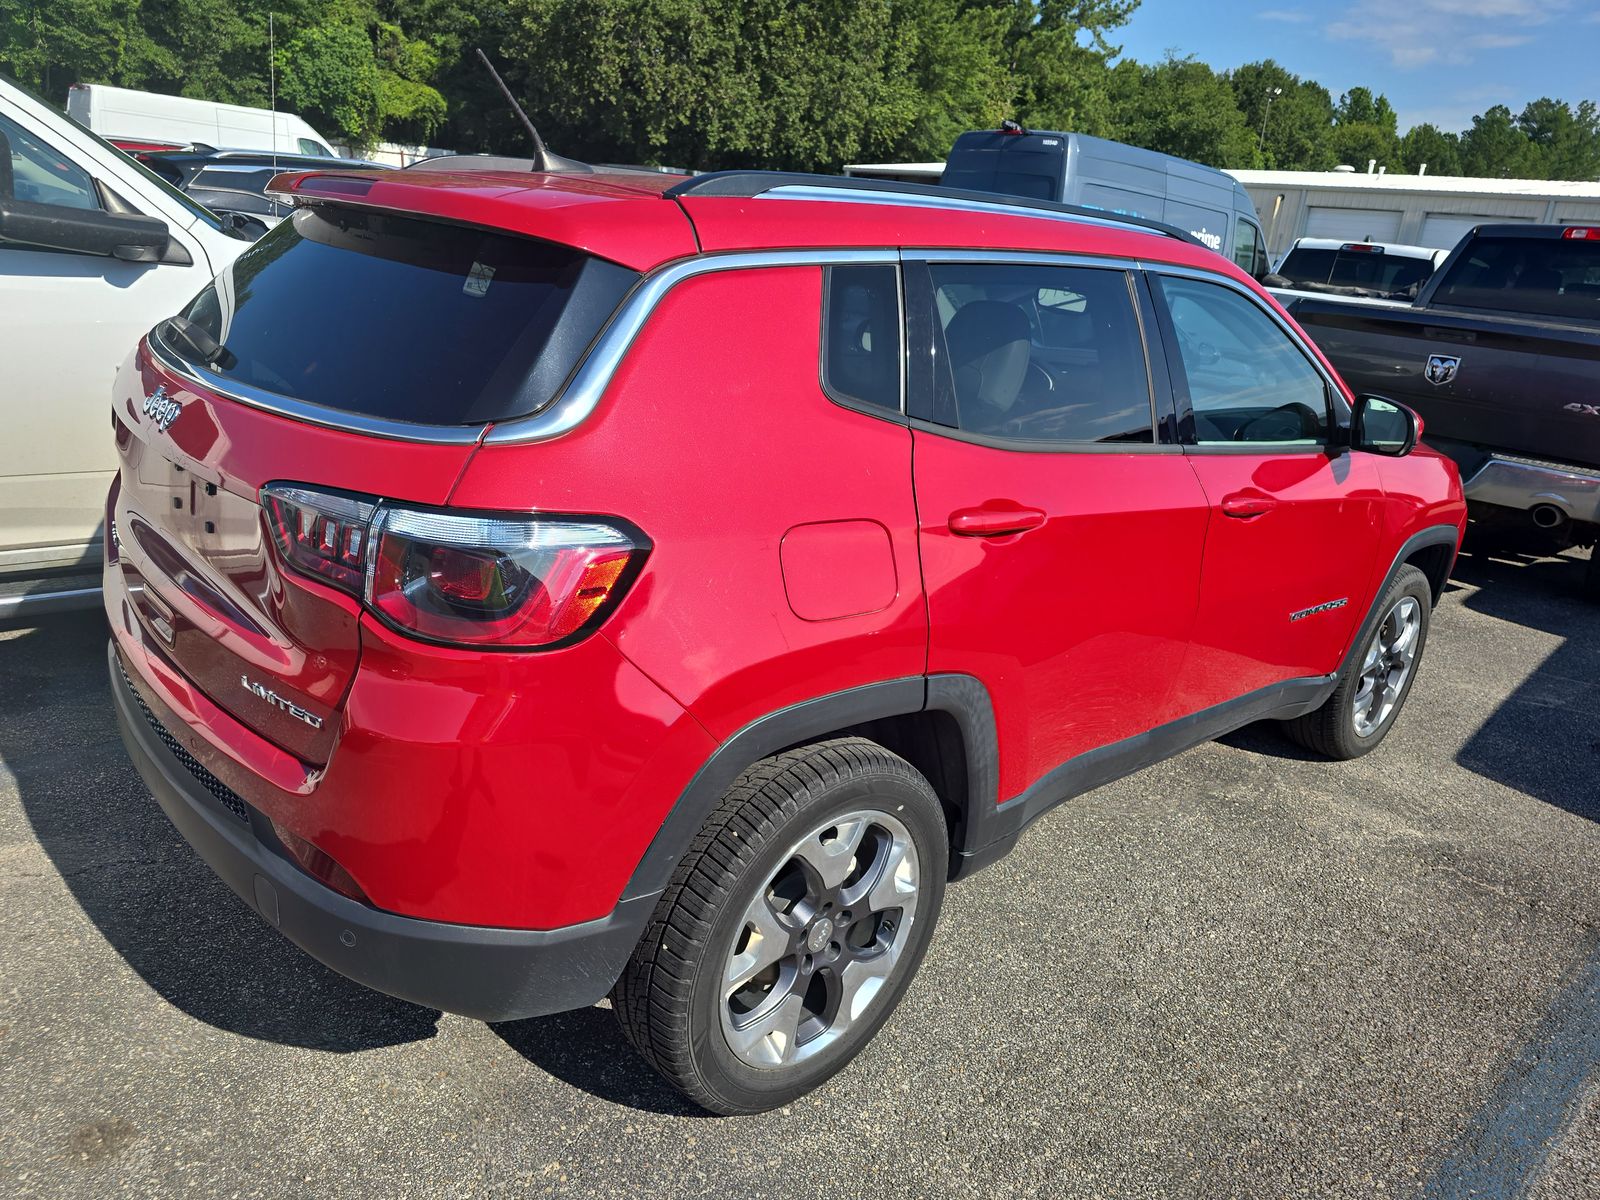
(797, 185)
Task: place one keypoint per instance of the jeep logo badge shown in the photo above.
(161, 409)
(1441, 368)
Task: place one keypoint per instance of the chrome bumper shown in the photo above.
(1527, 483)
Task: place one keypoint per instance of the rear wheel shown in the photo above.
(1374, 684)
(791, 929)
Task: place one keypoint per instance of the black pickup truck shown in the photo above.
(1500, 355)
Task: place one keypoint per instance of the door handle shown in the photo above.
(1245, 505)
(994, 520)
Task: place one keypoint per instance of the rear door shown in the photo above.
(352, 350)
(1060, 526)
(1294, 522)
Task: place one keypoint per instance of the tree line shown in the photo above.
(799, 84)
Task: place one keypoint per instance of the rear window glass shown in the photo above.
(1369, 270)
(1550, 277)
(406, 319)
(1043, 353)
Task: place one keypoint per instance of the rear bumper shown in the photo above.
(487, 973)
(1526, 483)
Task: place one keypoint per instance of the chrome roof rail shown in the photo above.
(797, 185)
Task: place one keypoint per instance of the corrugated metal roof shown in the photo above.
(1434, 184)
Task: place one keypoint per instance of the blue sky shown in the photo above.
(1437, 60)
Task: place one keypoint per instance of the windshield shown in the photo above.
(1363, 270)
(1549, 277)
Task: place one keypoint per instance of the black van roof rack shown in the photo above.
(793, 184)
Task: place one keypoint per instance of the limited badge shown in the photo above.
(1441, 368)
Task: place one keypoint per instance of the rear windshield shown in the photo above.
(1548, 277)
(1368, 270)
(406, 319)
(1012, 168)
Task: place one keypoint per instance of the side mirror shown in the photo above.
(127, 236)
(1382, 426)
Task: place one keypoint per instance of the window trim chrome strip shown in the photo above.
(311, 414)
(582, 394)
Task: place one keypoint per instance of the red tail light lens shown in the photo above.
(323, 534)
(1581, 233)
(507, 580)
(523, 581)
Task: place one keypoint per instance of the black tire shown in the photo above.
(671, 1000)
(1332, 729)
(1591, 576)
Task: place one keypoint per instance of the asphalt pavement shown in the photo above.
(1243, 972)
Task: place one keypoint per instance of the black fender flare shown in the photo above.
(962, 696)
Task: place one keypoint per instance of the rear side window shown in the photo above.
(1043, 353)
(1551, 277)
(407, 319)
(1246, 379)
(861, 353)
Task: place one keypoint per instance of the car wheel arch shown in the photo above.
(942, 724)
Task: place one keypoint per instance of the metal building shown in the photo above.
(1417, 210)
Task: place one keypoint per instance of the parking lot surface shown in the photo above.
(1241, 973)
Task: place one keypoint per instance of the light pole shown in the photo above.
(1272, 94)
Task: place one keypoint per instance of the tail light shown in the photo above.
(507, 580)
(1581, 233)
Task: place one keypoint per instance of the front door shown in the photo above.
(1295, 519)
(1061, 536)
(67, 321)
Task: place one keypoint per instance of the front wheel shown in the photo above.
(1374, 684)
(791, 929)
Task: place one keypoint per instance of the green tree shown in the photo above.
(1293, 123)
(1180, 106)
(1566, 141)
(1425, 145)
(1495, 148)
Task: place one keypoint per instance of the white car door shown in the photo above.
(67, 321)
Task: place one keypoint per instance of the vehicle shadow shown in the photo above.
(586, 1049)
(1542, 739)
(155, 902)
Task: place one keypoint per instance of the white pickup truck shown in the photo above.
(94, 251)
(1377, 273)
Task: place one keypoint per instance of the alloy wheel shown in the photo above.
(1386, 666)
(820, 939)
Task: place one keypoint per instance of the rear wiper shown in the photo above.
(196, 343)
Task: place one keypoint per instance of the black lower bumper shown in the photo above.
(489, 974)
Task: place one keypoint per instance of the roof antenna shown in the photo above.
(543, 160)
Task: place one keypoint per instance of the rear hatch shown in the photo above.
(353, 352)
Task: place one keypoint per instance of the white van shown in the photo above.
(119, 114)
(94, 251)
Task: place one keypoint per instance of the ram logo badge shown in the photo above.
(1318, 608)
(162, 409)
(262, 692)
(1441, 368)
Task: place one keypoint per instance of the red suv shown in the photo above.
(532, 587)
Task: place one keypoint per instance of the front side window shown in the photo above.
(1043, 353)
(861, 352)
(1246, 379)
(42, 175)
(1246, 247)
